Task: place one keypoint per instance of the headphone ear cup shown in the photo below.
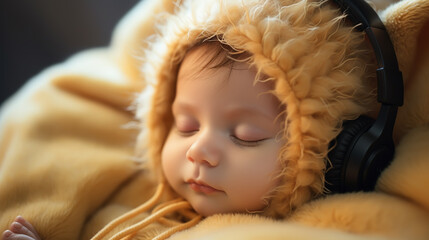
(339, 155)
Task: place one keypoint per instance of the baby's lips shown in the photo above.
(201, 187)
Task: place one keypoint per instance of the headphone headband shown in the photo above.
(366, 147)
(390, 88)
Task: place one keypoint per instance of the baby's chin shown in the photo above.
(206, 209)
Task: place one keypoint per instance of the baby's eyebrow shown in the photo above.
(245, 111)
(182, 106)
(235, 112)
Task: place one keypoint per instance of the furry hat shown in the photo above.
(321, 67)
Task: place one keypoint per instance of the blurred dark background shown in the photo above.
(38, 33)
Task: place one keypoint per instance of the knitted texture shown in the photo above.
(319, 65)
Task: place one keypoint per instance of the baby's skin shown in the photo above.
(20, 229)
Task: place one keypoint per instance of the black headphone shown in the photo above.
(364, 148)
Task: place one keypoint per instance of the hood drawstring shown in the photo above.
(157, 215)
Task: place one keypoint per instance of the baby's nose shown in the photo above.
(205, 150)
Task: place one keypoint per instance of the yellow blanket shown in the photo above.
(67, 146)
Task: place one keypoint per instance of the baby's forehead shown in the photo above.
(199, 82)
(209, 58)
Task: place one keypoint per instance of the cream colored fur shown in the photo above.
(67, 149)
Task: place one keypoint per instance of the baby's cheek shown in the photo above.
(248, 190)
(168, 161)
(255, 175)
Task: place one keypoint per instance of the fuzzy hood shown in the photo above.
(320, 66)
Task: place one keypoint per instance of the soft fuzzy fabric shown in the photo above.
(68, 139)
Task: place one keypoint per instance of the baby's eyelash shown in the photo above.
(186, 133)
(246, 143)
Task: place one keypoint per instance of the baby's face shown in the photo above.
(222, 151)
